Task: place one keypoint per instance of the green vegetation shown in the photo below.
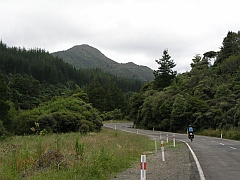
(58, 115)
(71, 155)
(164, 75)
(87, 57)
(226, 133)
(61, 115)
(206, 97)
(37, 87)
(59, 109)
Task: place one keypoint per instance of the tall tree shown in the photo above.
(178, 121)
(4, 106)
(113, 96)
(230, 46)
(96, 94)
(165, 74)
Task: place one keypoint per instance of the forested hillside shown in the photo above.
(40, 93)
(85, 56)
(208, 96)
(33, 79)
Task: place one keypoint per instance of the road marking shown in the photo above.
(221, 144)
(233, 148)
(213, 141)
(200, 171)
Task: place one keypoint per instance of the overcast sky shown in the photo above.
(124, 30)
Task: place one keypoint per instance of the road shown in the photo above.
(219, 159)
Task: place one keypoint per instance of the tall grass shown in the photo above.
(93, 156)
(227, 134)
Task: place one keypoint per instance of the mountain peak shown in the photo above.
(86, 56)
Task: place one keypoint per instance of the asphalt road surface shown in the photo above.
(218, 159)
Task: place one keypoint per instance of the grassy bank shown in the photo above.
(70, 156)
(233, 134)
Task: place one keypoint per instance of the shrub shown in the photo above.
(47, 122)
(84, 129)
(115, 114)
(2, 130)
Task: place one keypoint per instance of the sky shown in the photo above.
(123, 30)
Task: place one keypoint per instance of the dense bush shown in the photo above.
(116, 114)
(60, 115)
(207, 97)
(2, 130)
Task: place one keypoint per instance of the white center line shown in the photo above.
(221, 144)
(233, 148)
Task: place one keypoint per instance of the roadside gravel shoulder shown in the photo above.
(178, 165)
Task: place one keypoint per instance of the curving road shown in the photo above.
(219, 159)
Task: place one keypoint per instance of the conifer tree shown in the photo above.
(164, 75)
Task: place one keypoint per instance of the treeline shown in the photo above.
(53, 70)
(207, 97)
(28, 107)
(31, 80)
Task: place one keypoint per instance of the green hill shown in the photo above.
(85, 56)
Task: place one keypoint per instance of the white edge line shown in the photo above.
(200, 171)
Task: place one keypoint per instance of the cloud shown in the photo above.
(125, 30)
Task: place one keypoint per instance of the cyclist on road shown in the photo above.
(190, 131)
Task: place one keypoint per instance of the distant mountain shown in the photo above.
(85, 56)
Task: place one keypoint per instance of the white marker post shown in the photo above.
(167, 138)
(115, 127)
(162, 147)
(143, 167)
(155, 146)
(137, 131)
(160, 136)
(221, 134)
(174, 139)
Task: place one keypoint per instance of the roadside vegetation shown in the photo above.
(233, 134)
(71, 155)
(51, 113)
(206, 97)
(37, 87)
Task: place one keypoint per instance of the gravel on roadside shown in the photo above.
(178, 165)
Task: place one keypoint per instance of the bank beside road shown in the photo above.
(178, 165)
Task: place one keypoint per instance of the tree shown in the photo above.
(230, 46)
(196, 60)
(200, 63)
(164, 75)
(2, 130)
(178, 121)
(136, 102)
(96, 94)
(4, 106)
(114, 98)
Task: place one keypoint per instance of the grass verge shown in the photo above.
(71, 156)
(233, 134)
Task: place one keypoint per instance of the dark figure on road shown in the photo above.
(190, 132)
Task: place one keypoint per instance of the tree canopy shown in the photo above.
(206, 97)
(165, 74)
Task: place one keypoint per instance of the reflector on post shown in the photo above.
(143, 167)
